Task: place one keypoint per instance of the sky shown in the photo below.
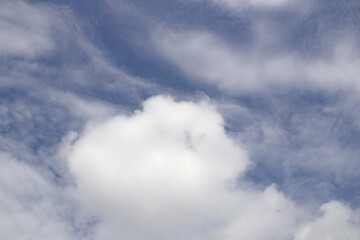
(180, 119)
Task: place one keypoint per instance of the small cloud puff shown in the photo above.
(338, 222)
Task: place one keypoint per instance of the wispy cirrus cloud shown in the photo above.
(56, 75)
(241, 5)
(210, 59)
(51, 74)
(25, 30)
(31, 206)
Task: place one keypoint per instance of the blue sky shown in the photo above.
(191, 119)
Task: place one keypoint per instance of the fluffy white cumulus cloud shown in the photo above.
(170, 171)
(262, 216)
(168, 167)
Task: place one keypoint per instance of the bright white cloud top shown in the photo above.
(160, 174)
(164, 170)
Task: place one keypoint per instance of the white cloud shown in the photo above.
(155, 170)
(25, 29)
(339, 222)
(207, 58)
(83, 108)
(29, 205)
(170, 171)
(262, 215)
(241, 6)
(340, 69)
(236, 4)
